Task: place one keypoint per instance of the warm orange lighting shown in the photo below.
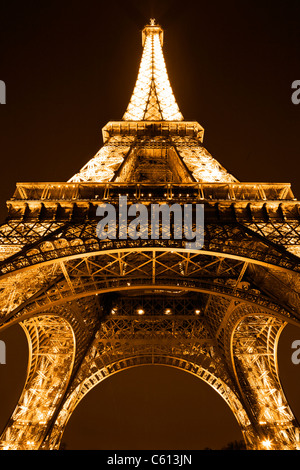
(168, 311)
(152, 98)
(267, 444)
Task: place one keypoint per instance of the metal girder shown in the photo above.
(128, 271)
(254, 351)
(51, 359)
(92, 307)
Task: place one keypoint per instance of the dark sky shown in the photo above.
(69, 68)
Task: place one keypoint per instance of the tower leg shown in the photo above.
(51, 355)
(255, 360)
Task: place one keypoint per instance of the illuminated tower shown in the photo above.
(92, 307)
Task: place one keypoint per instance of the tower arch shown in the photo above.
(91, 307)
(204, 374)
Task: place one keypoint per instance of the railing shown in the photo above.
(148, 128)
(150, 191)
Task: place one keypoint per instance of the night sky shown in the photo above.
(69, 68)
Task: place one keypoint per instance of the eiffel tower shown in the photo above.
(91, 307)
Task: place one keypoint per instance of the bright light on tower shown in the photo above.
(267, 444)
(168, 311)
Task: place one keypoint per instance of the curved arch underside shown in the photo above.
(203, 367)
(65, 279)
(96, 297)
(51, 358)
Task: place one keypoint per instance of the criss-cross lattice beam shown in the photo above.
(254, 349)
(51, 358)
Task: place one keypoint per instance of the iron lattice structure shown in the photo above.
(92, 307)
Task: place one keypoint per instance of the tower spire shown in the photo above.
(152, 101)
(152, 98)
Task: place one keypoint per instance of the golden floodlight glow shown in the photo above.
(200, 162)
(152, 100)
(152, 97)
(90, 308)
(267, 444)
(101, 168)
